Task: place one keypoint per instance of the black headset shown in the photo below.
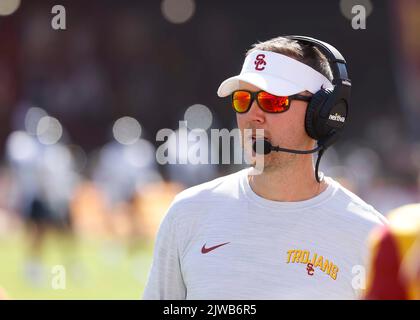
(327, 111)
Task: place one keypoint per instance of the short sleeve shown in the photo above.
(165, 280)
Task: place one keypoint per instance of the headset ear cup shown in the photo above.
(309, 120)
(312, 111)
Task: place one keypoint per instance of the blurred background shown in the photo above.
(80, 108)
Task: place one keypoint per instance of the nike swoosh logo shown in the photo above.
(205, 250)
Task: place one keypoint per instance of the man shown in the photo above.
(282, 234)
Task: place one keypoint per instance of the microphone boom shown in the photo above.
(268, 147)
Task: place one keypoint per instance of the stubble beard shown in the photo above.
(276, 161)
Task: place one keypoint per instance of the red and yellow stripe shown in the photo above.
(394, 268)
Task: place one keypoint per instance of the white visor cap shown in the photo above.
(277, 74)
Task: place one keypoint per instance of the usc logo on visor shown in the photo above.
(260, 62)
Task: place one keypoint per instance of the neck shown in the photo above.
(294, 182)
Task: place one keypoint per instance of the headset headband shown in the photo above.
(334, 57)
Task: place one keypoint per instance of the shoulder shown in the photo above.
(206, 195)
(353, 208)
(214, 190)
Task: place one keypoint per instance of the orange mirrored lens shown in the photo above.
(241, 101)
(272, 103)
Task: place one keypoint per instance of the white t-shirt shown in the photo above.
(220, 240)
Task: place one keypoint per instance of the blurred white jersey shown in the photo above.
(220, 240)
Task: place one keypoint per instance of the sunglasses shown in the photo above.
(242, 101)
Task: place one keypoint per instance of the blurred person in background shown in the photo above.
(43, 183)
(121, 173)
(121, 169)
(286, 233)
(394, 267)
(180, 168)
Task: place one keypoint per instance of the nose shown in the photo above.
(255, 113)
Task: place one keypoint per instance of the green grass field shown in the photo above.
(94, 269)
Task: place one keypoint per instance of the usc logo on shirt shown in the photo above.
(315, 261)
